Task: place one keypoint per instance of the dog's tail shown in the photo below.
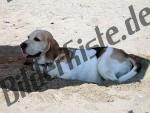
(133, 72)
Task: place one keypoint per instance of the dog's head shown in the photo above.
(39, 42)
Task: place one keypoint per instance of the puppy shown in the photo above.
(90, 65)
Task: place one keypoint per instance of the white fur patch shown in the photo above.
(86, 71)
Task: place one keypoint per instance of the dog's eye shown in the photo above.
(36, 39)
(28, 37)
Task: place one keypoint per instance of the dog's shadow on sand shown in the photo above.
(15, 76)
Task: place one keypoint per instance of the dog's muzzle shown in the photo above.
(23, 46)
(34, 56)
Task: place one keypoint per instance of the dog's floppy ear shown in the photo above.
(53, 48)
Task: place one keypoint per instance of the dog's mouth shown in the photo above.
(24, 52)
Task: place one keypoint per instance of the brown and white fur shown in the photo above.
(107, 63)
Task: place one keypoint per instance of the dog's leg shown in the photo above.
(131, 73)
(108, 75)
(127, 76)
(39, 67)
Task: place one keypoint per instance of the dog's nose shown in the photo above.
(23, 45)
